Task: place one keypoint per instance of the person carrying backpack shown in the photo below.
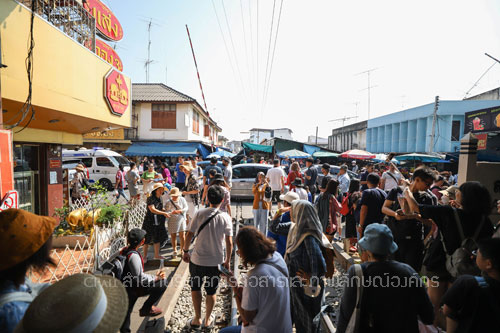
(466, 220)
(136, 282)
(472, 304)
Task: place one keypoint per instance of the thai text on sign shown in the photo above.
(117, 92)
(109, 55)
(106, 22)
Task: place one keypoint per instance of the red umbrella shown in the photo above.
(357, 154)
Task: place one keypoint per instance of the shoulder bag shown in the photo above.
(204, 225)
(354, 321)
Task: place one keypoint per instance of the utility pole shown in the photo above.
(369, 87)
(343, 119)
(434, 118)
(316, 135)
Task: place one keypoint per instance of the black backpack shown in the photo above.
(115, 267)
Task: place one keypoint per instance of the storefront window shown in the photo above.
(27, 177)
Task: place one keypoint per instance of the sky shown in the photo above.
(418, 50)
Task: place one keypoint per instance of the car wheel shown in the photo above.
(106, 183)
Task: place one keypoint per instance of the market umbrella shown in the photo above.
(380, 158)
(221, 153)
(294, 153)
(418, 157)
(325, 154)
(357, 154)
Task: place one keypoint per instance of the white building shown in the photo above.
(257, 135)
(160, 113)
(319, 141)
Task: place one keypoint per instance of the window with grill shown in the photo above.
(455, 130)
(196, 122)
(164, 116)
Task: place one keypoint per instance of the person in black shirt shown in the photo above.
(472, 304)
(394, 296)
(325, 170)
(407, 230)
(311, 174)
(371, 203)
(473, 205)
(364, 175)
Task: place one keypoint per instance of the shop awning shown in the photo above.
(166, 149)
(311, 149)
(256, 147)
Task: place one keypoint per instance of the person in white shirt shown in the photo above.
(299, 189)
(197, 171)
(276, 178)
(264, 299)
(214, 231)
(343, 179)
(355, 167)
(228, 171)
(390, 179)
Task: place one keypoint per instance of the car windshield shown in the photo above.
(119, 160)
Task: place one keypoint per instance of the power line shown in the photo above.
(266, 92)
(475, 84)
(268, 54)
(245, 42)
(252, 53)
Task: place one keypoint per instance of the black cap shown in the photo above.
(326, 166)
(218, 176)
(227, 159)
(135, 236)
(310, 160)
(213, 160)
(297, 182)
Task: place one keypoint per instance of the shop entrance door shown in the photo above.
(27, 176)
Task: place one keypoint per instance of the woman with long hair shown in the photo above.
(177, 207)
(293, 174)
(328, 208)
(471, 208)
(261, 207)
(353, 195)
(154, 222)
(305, 262)
(264, 299)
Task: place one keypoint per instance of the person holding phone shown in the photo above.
(261, 207)
(263, 300)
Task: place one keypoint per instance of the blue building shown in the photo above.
(410, 130)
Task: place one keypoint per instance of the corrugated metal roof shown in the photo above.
(157, 92)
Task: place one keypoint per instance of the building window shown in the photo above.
(164, 116)
(196, 122)
(455, 130)
(206, 131)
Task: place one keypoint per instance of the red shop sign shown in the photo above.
(105, 21)
(482, 140)
(109, 55)
(116, 92)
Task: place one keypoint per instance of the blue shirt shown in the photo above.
(210, 167)
(181, 176)
(280, 239)
(344, 181)
(12, 313)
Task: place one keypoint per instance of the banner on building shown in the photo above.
(482, 140)
(6, 163)
(485, 120)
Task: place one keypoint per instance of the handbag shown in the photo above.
(354, 321)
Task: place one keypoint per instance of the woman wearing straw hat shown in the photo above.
(78, 303)
(191, 190)
(177, 207)
(79, 182)
(25, 243)
(154, 221)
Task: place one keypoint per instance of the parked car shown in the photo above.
(244, 177)
(102, 164)
(334, 170)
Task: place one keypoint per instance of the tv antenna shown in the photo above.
(148, 62)
(369, 87)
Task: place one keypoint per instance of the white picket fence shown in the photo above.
(96, 248)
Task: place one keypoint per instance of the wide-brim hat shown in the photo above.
(22, 234)
(80, 167)
(78, 303)
(378, 239)
(289, 197)
(174, 192)
(186, 166)
(297, 182)
(157, 186)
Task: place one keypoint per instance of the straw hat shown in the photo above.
(174, 192)
(157, 186)
(186, 166)
(80, 167)
(78, 303)
(22, 234)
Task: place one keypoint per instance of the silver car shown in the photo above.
(244, 177)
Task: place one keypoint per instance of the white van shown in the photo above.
(102, 164)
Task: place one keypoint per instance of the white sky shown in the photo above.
(421, 49)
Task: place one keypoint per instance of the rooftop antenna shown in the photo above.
(148, 62)
(343, 120)
(369, 87)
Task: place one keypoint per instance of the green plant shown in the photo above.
(109, 214)
(62, 213)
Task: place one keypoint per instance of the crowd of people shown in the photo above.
(430, 253)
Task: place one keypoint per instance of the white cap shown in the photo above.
(353, 162)
(289, 197)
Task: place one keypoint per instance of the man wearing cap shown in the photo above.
(405, 300)
(228, 171)
(325, 170)
(25, 243)
(355, 167)
(282, 216)
(311, 174)
(137, 283)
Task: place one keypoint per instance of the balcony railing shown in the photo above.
(68, 16)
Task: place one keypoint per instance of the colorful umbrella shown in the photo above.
(357, 154)
(294, 153)
(380, 158)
